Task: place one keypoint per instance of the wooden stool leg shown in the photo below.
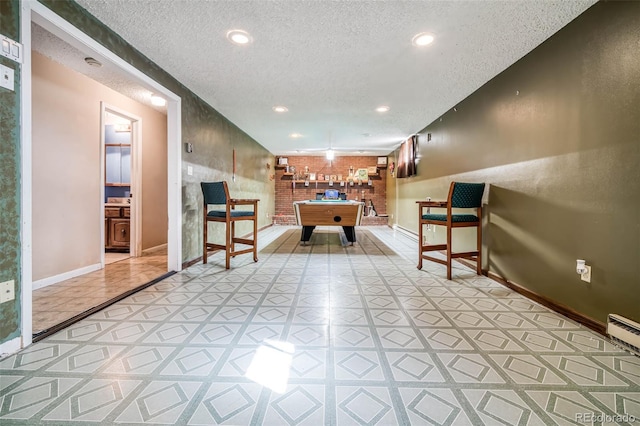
(229, 237)
(255, 235)
(204, 245)
(419, 237)
(479, 245)
(233, 235)
(448, 252)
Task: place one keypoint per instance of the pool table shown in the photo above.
(312, 213)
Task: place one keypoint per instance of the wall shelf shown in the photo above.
(315, 181)
(295, 184)
(335, 182)
(287, 174)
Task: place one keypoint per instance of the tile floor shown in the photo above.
(59, 302)
(322, 334)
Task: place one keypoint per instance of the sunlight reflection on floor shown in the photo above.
(271, 364)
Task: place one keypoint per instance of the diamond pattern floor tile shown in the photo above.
(433, 407)
(227, 403)
(359, 405)
(322, 334)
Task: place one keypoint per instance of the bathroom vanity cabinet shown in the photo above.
(117, 227)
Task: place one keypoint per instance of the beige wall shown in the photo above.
(66, 168)
(555, 137)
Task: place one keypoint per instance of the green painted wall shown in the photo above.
(556, 138)
(10, 247)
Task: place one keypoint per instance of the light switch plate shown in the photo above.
(190, 170)
(10, 49)
(7, 291)
(6, 78)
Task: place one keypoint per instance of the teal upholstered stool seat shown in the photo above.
(454, 218)
(234, 213)
(461, 196)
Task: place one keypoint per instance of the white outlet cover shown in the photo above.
(586, 276)
(6, 78)
(7, 291)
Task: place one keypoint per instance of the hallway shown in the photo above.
(321, 334)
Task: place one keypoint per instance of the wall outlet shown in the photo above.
(586, 276)
(6, 78)
(7, 291)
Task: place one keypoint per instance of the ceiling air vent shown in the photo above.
(624, 332)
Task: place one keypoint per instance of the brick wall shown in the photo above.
(286, 194)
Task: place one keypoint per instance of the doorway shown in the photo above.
(40, 14)
(81, 153)
(120, 139)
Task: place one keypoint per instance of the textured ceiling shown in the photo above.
(47, 44)
(333, 62)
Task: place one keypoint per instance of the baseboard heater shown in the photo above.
(624, 332)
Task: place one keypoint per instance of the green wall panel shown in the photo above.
(10, 247)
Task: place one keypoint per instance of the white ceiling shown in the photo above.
(331, 63)
(49, 45)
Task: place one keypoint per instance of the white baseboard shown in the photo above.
(406, 232)
(10, 347)
(152, 250)
(65, 276)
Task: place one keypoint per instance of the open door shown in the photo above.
(121, 187)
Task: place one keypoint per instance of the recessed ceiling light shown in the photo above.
(239, 37)
(422, 39)
(295, 135)
(93, 62)
(383, 108)
(280, 108)
(158, 100)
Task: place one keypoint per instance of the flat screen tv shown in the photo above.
(331, 194)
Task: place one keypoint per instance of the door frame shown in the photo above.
(135, 222)
(45, 17)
